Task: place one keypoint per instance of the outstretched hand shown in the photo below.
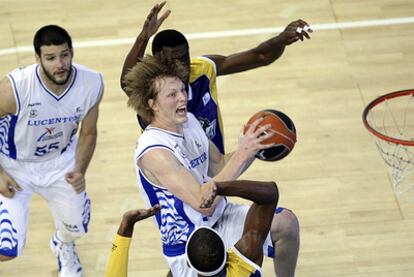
(153, 23)
(129, 218)
(296, 30)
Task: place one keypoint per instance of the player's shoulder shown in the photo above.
(202, 66)
(154, 138)
(22, 72)
(86, 71)
(203, 61)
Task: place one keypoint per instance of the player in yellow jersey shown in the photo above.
(202, 100)
(118, 259)
(205, 248)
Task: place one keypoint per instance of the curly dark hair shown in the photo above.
(167, 38)
(205, 250)
(51, 35)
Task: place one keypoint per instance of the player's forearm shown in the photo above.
(137, 51)
(84, 151)
(126, 228)
(262, 193)
(118, 259)
(270, 50)
(235, 165)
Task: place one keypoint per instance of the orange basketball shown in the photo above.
(285, 134)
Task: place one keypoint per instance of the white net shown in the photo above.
(394, 120)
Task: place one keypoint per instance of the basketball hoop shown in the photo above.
(390, 119)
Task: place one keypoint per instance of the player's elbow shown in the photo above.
(274, 193)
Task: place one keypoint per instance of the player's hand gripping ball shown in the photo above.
(284, 138)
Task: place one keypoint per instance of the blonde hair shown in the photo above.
(141, 82)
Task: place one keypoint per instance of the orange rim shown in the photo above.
(379, 100)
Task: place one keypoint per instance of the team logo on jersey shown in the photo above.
(34, 104)
(208, 127)
(198, 144)
(79, 110)
(56, 120)
(33, 113)
(206, 98)
(49, 134)
(199, 160)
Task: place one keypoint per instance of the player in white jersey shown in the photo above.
(175, 160)
(42, 107)
(203, 97)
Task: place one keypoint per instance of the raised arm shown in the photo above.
(151, 25)
(265, 53)
(117, 265)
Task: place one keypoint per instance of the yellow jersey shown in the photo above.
(239, 266)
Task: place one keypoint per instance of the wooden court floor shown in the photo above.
(335, 181)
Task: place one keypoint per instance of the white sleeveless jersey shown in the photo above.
(177, 220)
(45, 125)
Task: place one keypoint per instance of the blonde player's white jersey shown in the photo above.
(177, 220)
(45, 125)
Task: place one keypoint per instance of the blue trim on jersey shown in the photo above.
(16, 93)
(75, 72)
(278, 210)
(271, 249)
(165, 132)
(12, 152)
(173, 250)
(11, 239)
(170, 250)
(86, 214)
(9, 252)
(178, 204)
(58, 98)
(72, 135)
(155, 146)
(149, 190)
(256, 274)
(10, 139)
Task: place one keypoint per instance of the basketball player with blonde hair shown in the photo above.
(202, 97)
(177, 165)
